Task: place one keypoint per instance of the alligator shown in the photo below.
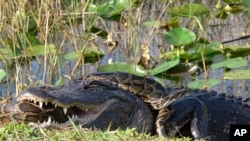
(122, 100)
(203, 115)
(90, 106)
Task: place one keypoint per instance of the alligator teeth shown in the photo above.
(86, 110)
(54, 122)
(41, 105)
(73, 117)
(65, 111)
(46, 103)
(55, 105)
(49, 120)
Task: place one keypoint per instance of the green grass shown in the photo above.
(25, 132)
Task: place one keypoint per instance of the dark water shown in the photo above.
(128, 49)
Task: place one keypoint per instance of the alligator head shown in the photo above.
(91, 106)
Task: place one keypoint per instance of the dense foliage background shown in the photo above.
(196, 44)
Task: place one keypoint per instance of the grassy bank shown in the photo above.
(24, 132)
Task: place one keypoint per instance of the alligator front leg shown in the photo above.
(182, 112)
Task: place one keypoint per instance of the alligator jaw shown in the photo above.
(79, 113)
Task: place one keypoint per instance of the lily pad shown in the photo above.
(230, 63)
(189, 10)
(39, 50)
(22, 41)
(91, 55)
(182, 69)
(123, 67)
(238, 74)
(111, 9)
(179, 37)
(207, 50)
(36, 50)
(164, 67)
(200, 84)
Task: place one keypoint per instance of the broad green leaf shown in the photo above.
(238, 74)
(91, 55)
(182, 69)
(200, 84)
(26, 45)
(104, 9)
(179, 37)
(2, 74)
(169, 24)
(6, 53)
(218, 57)
(207, 50)
(39, 50)
(72, 55)
(246, 3)
(230, 63)
(164, 67)
(237, 50)
(111, 8)
(151, 23)
(123, 67)
(120, 6)
(22, 41)
(188, 10)
(247, 12)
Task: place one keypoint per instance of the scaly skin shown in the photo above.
(147, 89)
(205, 115)
(91, 106)
(121, 100)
